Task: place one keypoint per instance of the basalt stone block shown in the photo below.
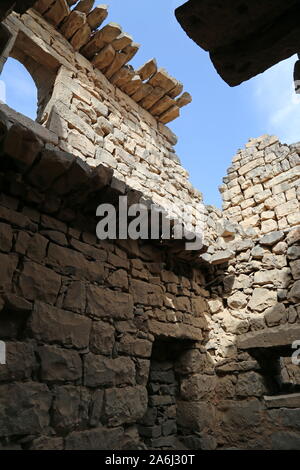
(70, 407)
(22, 145)
(241, 416)
(39, 283)
(125, 405)
(198, 387)
(59, 365)
(102, 338)
(146, 293)
(135, 346)
(24, 408)
(285, 441)
(52, 165)
(72, 262)
(103, 303)
(75, 298)
(47, 443)
(103, 372)
(6, 237)
(195, 416)
(52, 325)
(234, 32)
(95, 439)
(250, 384)
(8, 263)
(20, 362)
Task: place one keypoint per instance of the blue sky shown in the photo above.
(220, 120)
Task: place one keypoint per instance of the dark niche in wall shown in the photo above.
(158, 428)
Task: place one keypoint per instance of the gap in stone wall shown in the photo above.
(280, 374)
(158, 428)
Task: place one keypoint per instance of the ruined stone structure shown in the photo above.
(137, 344)
(243, 37)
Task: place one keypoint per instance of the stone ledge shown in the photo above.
(283, 401)
(271, 337)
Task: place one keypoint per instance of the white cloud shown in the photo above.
(276, 102)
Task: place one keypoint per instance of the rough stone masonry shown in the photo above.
(137, 344)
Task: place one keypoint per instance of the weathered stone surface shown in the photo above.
(95, 439)
(59, 365)
(103, 372)
(250, 384)
(102, 338)
(125, 405)
(39, 283)
(47, 443)
(135, 347)
(70, 261)
(237, 300)
(103, 303)
(295, 268)
(240, 416)
(24, 408)
(6, 237)
(70, 407)
(195, 416)
(147, 70)
(20, 362)
(283, 335)
(279, 278)
(221, 257)
(283, 401)
(285, 441)
(234, 42)
(262, 299)
(72, 23)
(272, 238)
(294, 294)
(8, 266)
(197, 387)
(276, 315)
(52, 325)
(96, 17)
(22, 145)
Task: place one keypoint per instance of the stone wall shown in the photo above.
(95, 118)
(79, 316)
(261, 190)
(136, 344)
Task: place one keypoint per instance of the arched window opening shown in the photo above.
(18, 89)
(28, 76)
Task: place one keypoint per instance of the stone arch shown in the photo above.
(41, 67)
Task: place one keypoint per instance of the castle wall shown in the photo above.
(79, 316)
(261, 189)
(97, 121)
(136, 344)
